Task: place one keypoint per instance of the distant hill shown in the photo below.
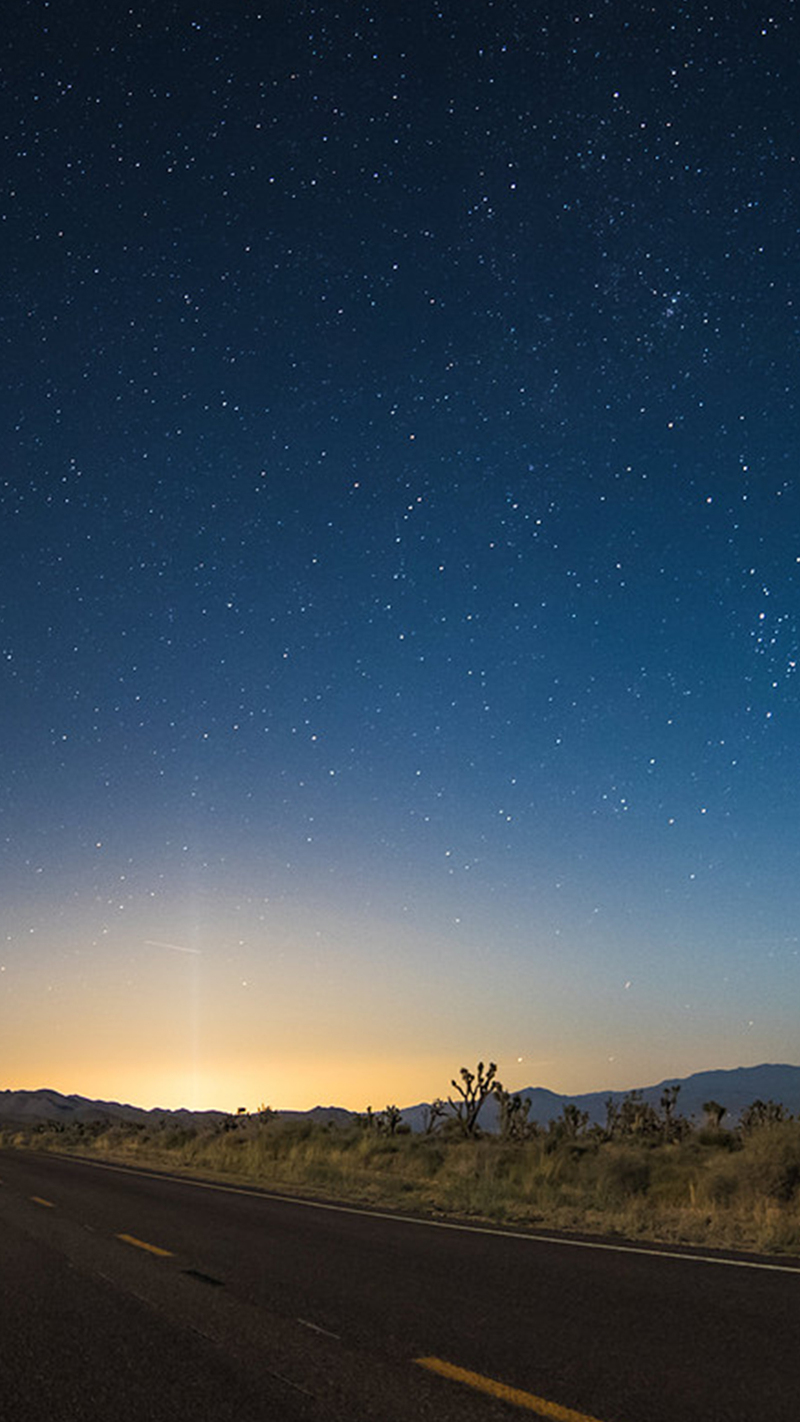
(47, 1105)
(732, 1089)
(321, 1116)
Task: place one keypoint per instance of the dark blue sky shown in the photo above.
(400, 545)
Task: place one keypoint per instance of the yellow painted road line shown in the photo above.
(37, 1200)
(142, 1244)
(528, 1400)
(528, 1238)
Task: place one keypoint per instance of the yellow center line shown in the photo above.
(142, 1244)
(514, 1395)
(37, 1200)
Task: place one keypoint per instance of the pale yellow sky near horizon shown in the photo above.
(351, 1085)
(214, 1012)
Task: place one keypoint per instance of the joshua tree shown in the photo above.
(433, 1113)
(673, 1126)
(714, 1114)
(474, 1088)
(762, 1113)
(514, 1123)
(390, 1119)
(612, 1117)
(570, 1123)
(637, 1117)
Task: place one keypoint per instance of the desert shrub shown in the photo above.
(431, 1156)
(178, 1136)
(714, 1138)
(719, 1184)
(622, 1172)
(771, 1161)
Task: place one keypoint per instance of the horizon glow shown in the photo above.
(400, 527)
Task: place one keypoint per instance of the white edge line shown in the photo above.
(433, 1224)
(316, 1329)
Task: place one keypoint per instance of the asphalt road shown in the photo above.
(126, 1294)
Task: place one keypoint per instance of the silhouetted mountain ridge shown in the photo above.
(734, 1089)
(48, 1105)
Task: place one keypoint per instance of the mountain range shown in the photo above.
(733, 1089)
(48, 1105)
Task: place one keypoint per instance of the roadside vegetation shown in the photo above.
(645, 1173)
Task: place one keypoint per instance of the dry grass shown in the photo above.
(716, 1189)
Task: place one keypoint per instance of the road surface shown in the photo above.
(132, 1295)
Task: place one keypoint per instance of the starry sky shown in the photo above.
(400, 529)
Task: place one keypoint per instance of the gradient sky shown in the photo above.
(400, 525)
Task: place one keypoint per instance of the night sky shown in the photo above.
(400, 520)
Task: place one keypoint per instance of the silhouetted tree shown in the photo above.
(714, 1114)
(474, 1088)
(390, 1119)
(637, 1117)
(433, 1113)
(367, 1120)
(673, 1126)
(570, 1123)
(762, 1113)
(612, 1117)
(514, 1123)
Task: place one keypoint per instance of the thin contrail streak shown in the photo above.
(176, 947)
